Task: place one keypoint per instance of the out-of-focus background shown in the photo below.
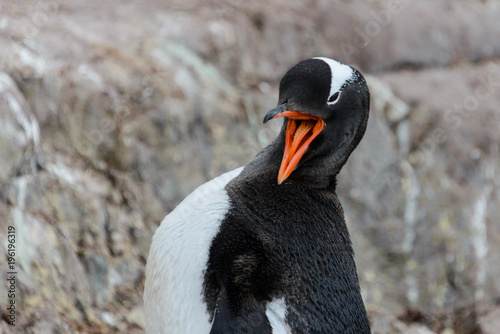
(112, 111)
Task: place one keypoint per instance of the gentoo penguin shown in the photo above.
(265, 248)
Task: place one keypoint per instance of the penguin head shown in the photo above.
(325, 105)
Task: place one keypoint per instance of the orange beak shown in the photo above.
(300, 132)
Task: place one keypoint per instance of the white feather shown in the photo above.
(341, 74)
(173, 294)
(276, 314)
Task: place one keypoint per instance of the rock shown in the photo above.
(20, 135)
(382, 323)
(136, 316)
(111, 114)
(490, 323)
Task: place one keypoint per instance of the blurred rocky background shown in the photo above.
(112, 111)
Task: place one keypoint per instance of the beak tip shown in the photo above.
(274, 112)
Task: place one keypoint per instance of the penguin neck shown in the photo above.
(311, 174)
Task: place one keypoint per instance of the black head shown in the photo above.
(326, 105)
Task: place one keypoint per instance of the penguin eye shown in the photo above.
(334, 97)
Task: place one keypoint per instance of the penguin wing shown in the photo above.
(238, 308)
(173, 294)
(245, 275)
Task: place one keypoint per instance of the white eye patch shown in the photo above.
(341, 74)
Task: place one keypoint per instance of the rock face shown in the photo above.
(111, 113)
